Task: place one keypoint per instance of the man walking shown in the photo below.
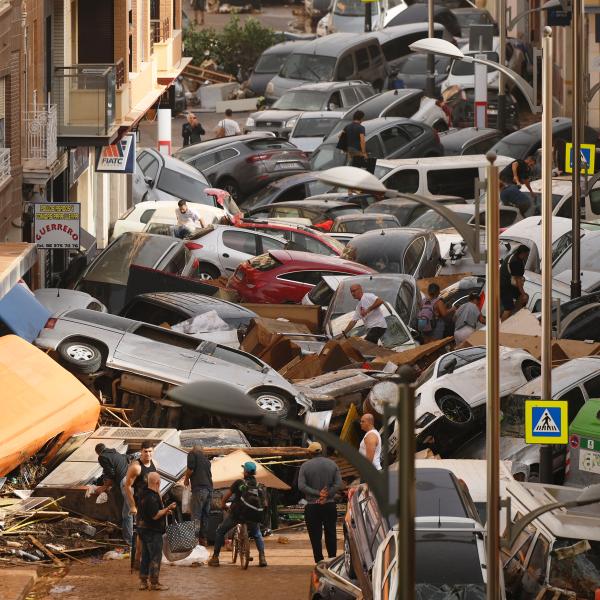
(369, 311)
(114, 465)
(512, 280)
(247, 506)
(198, 473)
(352, 140)
(187, 220)
(512, 177)
(319, 480)
(227, 126)
(370, 446)
(151, 526)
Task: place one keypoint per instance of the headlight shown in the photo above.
(249, 122)
(270, 88)
(291, 122)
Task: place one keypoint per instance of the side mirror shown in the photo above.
(450, 366)
(149, 182)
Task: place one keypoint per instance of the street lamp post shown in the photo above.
(501, 58)
(430, 81)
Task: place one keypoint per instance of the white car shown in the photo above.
(161, 211)
(312, 127)
(454, 386)
(349, 16)
(60, 299)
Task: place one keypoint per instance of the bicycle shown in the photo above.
(240, 545)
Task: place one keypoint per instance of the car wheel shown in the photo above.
(531, 370)
(80, 356)
(455, 409)
(205, 271)
(231, 187)
(348, 558)
(272, 403)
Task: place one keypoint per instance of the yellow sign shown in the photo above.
(588, 156)
(546, 421)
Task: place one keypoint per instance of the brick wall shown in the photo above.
(121, 33)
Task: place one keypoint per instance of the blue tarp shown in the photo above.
(22, 313)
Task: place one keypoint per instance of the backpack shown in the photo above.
(342, 141)
(426, 317)
(252, 501)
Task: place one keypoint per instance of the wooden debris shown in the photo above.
(46, 551)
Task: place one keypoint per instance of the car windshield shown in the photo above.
(321, 294)
(327, 156)
(425, 376)
(575, 566)
(460, 68)
(300, 100)
(350, 8)
(184, 187)
(308, 67)
(269, 63)
(433, 221)
(366, 224)
(466, 18)
(314, 127)
(517, 145)
(402, 212)
(380, 172)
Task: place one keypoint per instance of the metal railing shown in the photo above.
(160, 30)
(86, 98)
(4, 161)
(120, 75)
(40, 133)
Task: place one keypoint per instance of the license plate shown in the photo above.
(492, 111)
(282, 166)
(589, 461)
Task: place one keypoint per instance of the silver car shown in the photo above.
(88, 340)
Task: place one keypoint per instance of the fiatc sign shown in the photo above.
(118, 157)
(56, 225)
(546, 421)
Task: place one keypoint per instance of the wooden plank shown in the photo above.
(320, 380)
(46, 551)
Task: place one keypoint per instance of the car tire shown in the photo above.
(272, 403)
(455, 409)
(204, 271)
(231, 187)
(348, 558)
(531, 370)
(80, 356)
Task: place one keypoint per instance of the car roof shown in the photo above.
(321, 260)
(191, 302)
(389, 33)
(400, 236)
(190, 151)
(316, 201)
(364, 216)
(469, 160)
(531, 228)
(379, 102)
(375, 124)
(285, 47)
(458, 137)
(294, 179)
(560, 185)
(325, 86)
(175, 164)
(334, 44)
(284, 225)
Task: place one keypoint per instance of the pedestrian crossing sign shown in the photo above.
(588, 158)
(546, 421)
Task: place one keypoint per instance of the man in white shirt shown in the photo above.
(187, 220)
(227, 126)
(370, 446)
(369, 310)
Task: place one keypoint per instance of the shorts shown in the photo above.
(508, 298)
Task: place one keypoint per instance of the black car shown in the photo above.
(469, 140)
(414, 252)
(457, 294)
(386, 137)
(405, 209)
(244, 164)
(174, 307)
(293, 187)
(512, 122)
(579, 318)
(411, 70)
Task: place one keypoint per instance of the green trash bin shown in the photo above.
(584, 446)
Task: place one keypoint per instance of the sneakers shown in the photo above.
(158, 587)
(262, 561)
(143, 585)
(213, 561)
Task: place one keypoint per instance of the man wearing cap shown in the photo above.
(238, 513)
(319, 480)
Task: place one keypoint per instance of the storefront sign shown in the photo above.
(56, 225)
(118, 157)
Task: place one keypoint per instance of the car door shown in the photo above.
(234, 247)
(148, 168)
(396, 142)
(349, 97)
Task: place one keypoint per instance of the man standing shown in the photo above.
(198, 473)
(512, 279)
(466, 318)
(512, 177)
(353, 138)
(227, 126)
(247, 506)
(370, 446)
(151, 526)
(186, 220)
(319, 480)
(137, 476)
(114, 465)
(192, 131)
(369, 310)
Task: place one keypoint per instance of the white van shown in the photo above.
(437, 176)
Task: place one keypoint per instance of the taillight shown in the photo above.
(257, 158)
(50, 323)
(481, 300)
(193, 246)
(324, 225)
(314, 577)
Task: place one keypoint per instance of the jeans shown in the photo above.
(152, 545)
(319, 517)
(201, 508)
(181, 231)
(126, 518)
(513, 196)
(375, 334)
(229, 522)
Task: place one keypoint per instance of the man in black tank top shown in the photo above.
(137, 476)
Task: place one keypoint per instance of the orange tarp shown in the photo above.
(39, 400)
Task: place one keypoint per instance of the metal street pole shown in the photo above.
(547, 61)
(368, 20)
(493, 381)
(501, 120)
(405, 413)
(578, 108)
(430, 82)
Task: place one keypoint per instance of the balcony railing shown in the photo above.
(40, 134)
(85, 95)
(160, 30)
(4, 163)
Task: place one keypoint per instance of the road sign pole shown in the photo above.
(547, 60)
(430, 81)
(481, 99)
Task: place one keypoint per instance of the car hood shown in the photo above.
(274, 115)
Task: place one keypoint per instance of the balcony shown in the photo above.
(40, 151)
(86, 98)
(4, 165)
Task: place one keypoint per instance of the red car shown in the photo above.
(299, 237)
(284, 276)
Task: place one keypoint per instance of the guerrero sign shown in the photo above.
(57, 225)
(118, 157)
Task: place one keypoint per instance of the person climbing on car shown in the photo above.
(187, 220)
(512, 279)
(433, 316)
(512, 177)
(247, 506)
(352, 141)
(369, 311)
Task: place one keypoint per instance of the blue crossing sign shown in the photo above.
(588, 158)
(546, 421)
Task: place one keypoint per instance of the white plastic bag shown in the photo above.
(204, 323)
(186, 501)
(197, 556)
